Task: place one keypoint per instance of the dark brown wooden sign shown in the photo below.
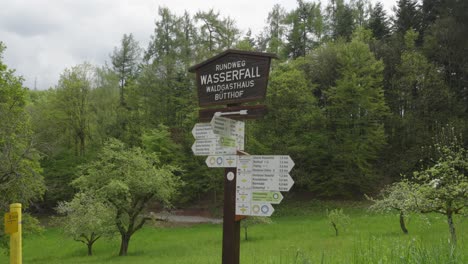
(233, 76)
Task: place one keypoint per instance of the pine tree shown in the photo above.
(407, 16)
(125, 60)
(378, 22)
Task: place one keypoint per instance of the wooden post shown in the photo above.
(231, 227)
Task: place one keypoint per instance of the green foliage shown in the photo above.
(125, 62)
(128, 179)
(21, 179)
(407, 16)
(31, 227)
(338, 220)
(292, 125)
(86, 219)
(444, 186)
(402, 196)
(378, 22)
(355, 109)
(159, 141)
(325, 102)
(73, 103)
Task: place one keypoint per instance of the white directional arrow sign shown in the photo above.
(255, 209)
(203, 131)
(264, 173)
(248, 195)
(214, 146)
(270, 197)
(259, 182)
(221, 161)
(230, 128)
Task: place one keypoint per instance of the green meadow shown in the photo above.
(300, 233)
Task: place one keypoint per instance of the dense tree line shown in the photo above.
(355, 98)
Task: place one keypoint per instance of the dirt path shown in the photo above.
(189, 219)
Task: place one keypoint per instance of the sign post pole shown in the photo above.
(231, 227)
(15, 238)
(229, 78)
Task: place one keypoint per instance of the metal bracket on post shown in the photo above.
(241, 112)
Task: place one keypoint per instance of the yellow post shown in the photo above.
(15, 238)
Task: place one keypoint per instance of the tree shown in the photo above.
(407, 16)
(128, 179)
(215, 34)
(444, 185)
(378, 22)
(293, 124)
(164, 90)
(247, 43)
(340, 18)
(401, 196)
(306, 29)
(21, 179)
(72, 100)
(445, 45)
(420, 103)
(125, 60)
(86, 219)
(274, 33)
(338, 220)
(355, 109)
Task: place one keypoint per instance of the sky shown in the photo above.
(43, 37)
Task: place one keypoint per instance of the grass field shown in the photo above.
(299, 233)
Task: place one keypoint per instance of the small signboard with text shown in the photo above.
(11, 222)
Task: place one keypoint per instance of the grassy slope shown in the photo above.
(300, 234)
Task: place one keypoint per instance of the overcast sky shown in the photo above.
(43, 37)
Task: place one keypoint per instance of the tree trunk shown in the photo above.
(124, 245)
(90, 248)
(82, 144)
(336, 229)
(402, 223)
(451, 227)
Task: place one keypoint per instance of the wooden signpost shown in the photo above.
(231, 78)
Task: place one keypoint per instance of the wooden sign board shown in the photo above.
(232, 77)
(11, 222)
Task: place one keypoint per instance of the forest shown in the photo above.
(359, 98)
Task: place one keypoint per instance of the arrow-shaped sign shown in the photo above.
(214, 146)
(203, 131)
(271, 163)
(230, 128)
(227, 127)
(221, 161)
(264, 173)
(254, 208)
(270, 197)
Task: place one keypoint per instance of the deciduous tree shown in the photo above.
(128, 179)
